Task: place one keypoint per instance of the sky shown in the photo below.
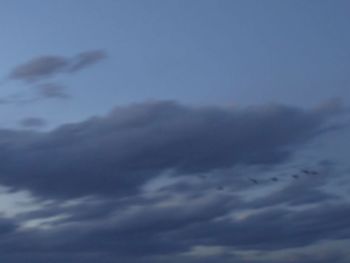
(174, 131)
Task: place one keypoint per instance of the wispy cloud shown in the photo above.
(86, 59)
(40, 74)
(39, 68)
(47, 66)
(52, 90)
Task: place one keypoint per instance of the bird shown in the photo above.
(274, 179)
(295, 176)
(309, 172)
(220, 188)
(306, 171)
(253, 180)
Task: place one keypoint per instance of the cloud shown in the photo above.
(33, 122)
(117, 154)
(39, 68)
(94, 174)
(48, 66)
(18, 99)
(86, 59)
(52, 90)
(46, 90)
(7, 226)
(168, 227)
(274, 229)
(41, 72)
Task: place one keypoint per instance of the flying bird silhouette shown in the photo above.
(220, 188)
(309, 172)
(253, 180)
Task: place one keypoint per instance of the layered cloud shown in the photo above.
(95, 203)
(164, 228)
(118, 153)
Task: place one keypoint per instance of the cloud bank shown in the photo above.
(118, 153)
(89, 179)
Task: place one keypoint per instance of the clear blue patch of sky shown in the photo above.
(197, 51)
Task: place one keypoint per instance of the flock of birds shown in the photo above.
(296, 176)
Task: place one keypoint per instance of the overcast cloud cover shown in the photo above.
(104, 163)
(174, 131)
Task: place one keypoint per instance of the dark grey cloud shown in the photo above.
(106, 161)
(118, 153)
(337, 256)
(274, 229)
(294, 196)
(146, 231)
(128, 232)
(46, 90)
(42, 70)
(52, 90)
(47, 66)
(7, 226)
(86, 59)
(39, 68)
(32, 122)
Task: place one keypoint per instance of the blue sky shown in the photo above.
(217, 52)
(151, 120)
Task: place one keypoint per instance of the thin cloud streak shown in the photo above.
(47, 66)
